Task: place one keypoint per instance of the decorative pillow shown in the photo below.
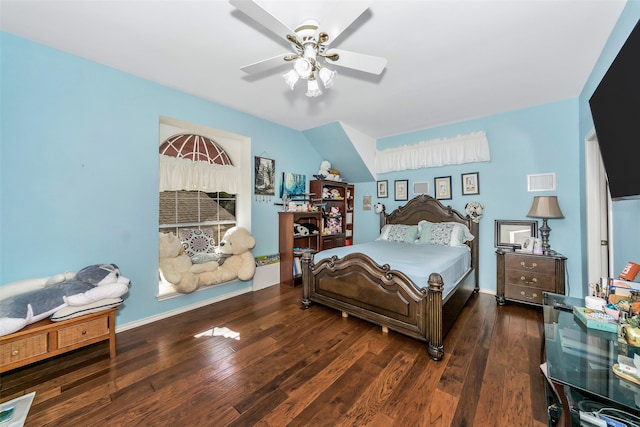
(424, 232)
(399, 233)
(202, 258)
(197, 241)
(441, 234)
(69, 312)
(444, 233)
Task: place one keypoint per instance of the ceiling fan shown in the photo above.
(311, 46)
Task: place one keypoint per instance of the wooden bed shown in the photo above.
(358, 286)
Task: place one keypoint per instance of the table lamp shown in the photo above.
(545, 207)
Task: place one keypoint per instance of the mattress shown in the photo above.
(417, 261)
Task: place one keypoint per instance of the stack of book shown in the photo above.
(595, 319)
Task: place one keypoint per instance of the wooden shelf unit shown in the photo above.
(289, 242)
(44, 339)
(337, 211)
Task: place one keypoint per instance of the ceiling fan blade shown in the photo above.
(358, 61)
(340, 15)
(261, 16)
(265, 64)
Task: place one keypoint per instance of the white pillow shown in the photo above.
(69, 312)
(460, 235)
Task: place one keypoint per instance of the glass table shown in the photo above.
(579, 359)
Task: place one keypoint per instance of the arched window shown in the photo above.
(202, 190)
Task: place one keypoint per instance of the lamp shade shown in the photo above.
(545, 207)
(313, 89)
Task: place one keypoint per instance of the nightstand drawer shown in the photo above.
(83, 332)
(524, 277)
(530, 263)
(523, 293)
(537, 280)
(26, 348)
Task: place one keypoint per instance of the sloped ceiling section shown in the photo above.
(346, 149)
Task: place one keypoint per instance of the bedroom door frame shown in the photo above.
(598, 203)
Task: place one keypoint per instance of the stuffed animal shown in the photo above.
(474, 211)
(326, 173)
(299, 230)
(177, 268)
(305, 229)
(237, 242)
(90, 284)
(325, 193)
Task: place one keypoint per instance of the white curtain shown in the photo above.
(470, 148)
(181, 174)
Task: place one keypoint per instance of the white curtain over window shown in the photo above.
(470, 148)
(182, 174)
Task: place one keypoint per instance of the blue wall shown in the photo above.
(625, 219)
(79, 170)
(530, 141)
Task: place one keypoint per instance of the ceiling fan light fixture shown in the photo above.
(291, 78)
(327, 76)
(303, 67)
(313, 89)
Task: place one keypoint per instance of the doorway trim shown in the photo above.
(598, 206)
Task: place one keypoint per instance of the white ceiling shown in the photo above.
(448, 60)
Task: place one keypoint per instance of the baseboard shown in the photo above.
(487, 291)
(266, 275)
(180, 310)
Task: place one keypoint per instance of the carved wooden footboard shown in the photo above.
(358, 286)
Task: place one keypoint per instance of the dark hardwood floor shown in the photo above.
(295, 367)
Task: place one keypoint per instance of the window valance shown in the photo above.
(470, 148)
(182, 174)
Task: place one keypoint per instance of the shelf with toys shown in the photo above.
(336, 204)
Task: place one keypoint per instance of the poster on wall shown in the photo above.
(292, 185)
(265, 176)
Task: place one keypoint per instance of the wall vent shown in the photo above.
(420, 188)
(541, 182)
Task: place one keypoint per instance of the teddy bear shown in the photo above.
(176, 267)
(92, 283)
(327, 173)
(235, 247)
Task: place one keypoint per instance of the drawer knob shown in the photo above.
(15, 352)
(524, 264)
(533, 281)
(84, 332)
(524, 294)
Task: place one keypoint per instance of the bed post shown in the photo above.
(306, 279)
(475, 252)
(434, 313)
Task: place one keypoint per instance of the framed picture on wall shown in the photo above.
(443, 187)
(383, 189)
(265, 176)
(470, 183)
(401, 189)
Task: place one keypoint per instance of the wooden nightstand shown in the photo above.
(524, 277)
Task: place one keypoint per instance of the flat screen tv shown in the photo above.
(615, 107)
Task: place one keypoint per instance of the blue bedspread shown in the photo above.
(414, 260)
